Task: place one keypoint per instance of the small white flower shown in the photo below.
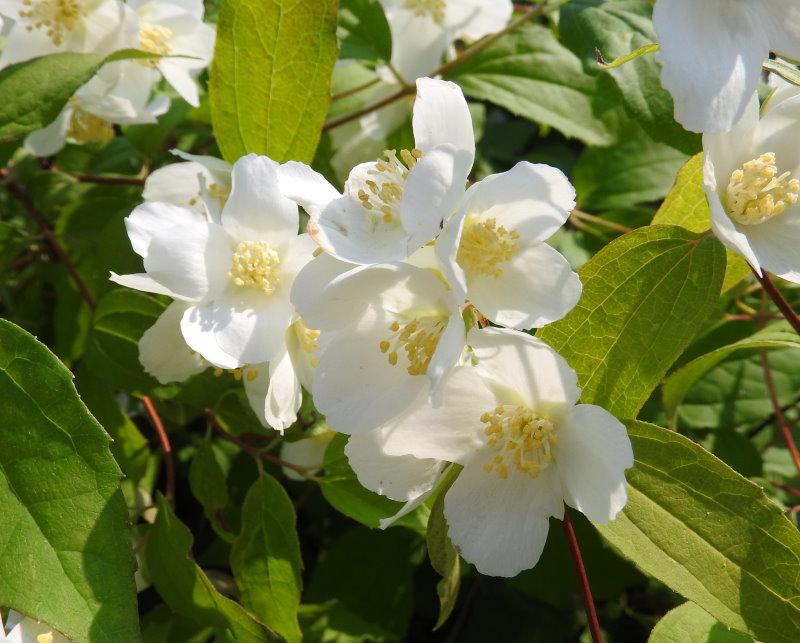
(494, 248)
(712, 52)
(235, 275)
(423, 31)
(752, 181)
(398, 332)
(21, 629)
(392, 207)
(526, 449)
(308, 452)
(162, 351)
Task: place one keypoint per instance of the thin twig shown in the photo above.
(22, 196)
(780, 418)
(355, 90)
(532, 12)
(786, 310)
(583, 580)
(166, 447)
(591, 218)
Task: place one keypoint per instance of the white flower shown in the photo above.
(752, 181)
(235, 275)
(308, 452)
(423, 31)
(175, 30)
(21, 629)
(162, 351)
(493, 248)
(398, 332)
(712, 52)
(200, 183)
(525, 446)
(391, 208)
(44, 27)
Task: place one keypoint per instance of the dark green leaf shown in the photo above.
(363, 31)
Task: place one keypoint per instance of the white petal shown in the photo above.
(441, 117)
(178, 184)
(448, 352)
(776, 244)
(500, 526)
(197, 328)
(451, 431)
(181, 80)
(274, 393)
(256, 209)
(295, 254)
(51, 139)
(400, 478)
(474, 19)
(533, 199)
(162, 351)
(593, 452)
(309, 283)
(781, 20)
(712, 54)
(536, 287)
(418, 43)
(309, 452)
(149, 218)
(192, 260)
(527, 368)
(306, 187)
(141, 281)
(731, 149)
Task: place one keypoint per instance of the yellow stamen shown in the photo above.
(756, 193)
(525, 441)
(84, 127)
(255, 265)
(484, 247)
(417, 338)
(56, 17)
(154, 39)
(382, 194)
(433, 9)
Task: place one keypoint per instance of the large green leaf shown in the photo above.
(442, 552)
(616, 28)
(686, 206)
(270, 79)
(690, 623)
(35, 91)
(531, 74)
(363, 30)
(185, 588)
(265, 558)
(66, 548)
(645, 295)
(709, 534)
(678, 384)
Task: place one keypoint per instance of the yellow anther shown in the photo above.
(84, 127)
(484, 247)
(237, 374)
(418, 339)
(252, 374)
(382, 193)
(56, 17)
(433, 9)
(255, 265)
(525, 440)
(47, 637)
(314, 362)
(756, 193)
(393, 358)
(154, 39)
(307, 337)
(385, 346)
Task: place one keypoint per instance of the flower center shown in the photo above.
(54, 16)
(84, 127)
(484, 247)
(255, 265)
(756, 193)
(308, 340)
(47, 637)
(433, 9)
(248, 372)
(418, 338)
(384, 191)
(525, 441)
(155, 39)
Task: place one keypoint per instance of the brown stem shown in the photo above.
(583, 580)
(355, 90)
(780, 418)
(22, 196)
(786, 310)
(611, 225)
(531, 12)
(166, 447)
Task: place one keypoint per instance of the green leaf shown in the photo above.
(363, 31)
(615, 28)
(35, 91)
(644, 50)
(342, 489)
(709, 534)
(686, 205)
(185, 588)
(645, 296)
(207, 479)
(442, 553)
(67, 558)
(265, 558)
(691, 623)
(678, 384)
(270, 79)
(529, 73)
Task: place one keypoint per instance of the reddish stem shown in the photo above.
(166, 447)
(780, 418)
(583, 580)
(772, 290)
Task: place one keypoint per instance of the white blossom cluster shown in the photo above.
(124, 91)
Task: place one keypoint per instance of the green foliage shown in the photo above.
(265, 558)
(67, 557)
(690, 623)
(645, 296)
(270, 77)
(363, 31)
(442, 553)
